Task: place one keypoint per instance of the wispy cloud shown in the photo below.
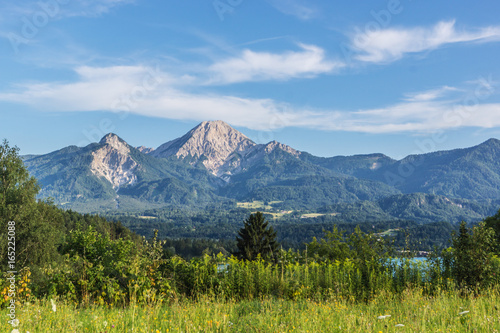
(145, 91)
(387, 45)
(92, 7)
(17, 23)
(259, 66)
(299, 8)
(151, 92)
(429, 95)
(13, 12)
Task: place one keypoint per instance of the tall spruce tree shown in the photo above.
(257, 237)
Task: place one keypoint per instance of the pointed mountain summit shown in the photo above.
(113, 161)
(211, 142)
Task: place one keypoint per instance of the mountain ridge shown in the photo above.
(214, 163)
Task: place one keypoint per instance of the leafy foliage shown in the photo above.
(472, 256)
(494, 223)
(36, 223)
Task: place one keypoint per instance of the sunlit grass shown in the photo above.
(266, 209)
(311, 215)
(254, 205)
(410, 312)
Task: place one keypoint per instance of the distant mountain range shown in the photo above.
(214, 163)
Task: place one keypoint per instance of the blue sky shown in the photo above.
(327, 77)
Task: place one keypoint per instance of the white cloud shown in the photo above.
(298, 8)
(145, 91)
(429, 95)
(148, 91)
(260, 66)
(386, 45)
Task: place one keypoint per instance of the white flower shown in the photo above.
(400, 325)
(54, 308)
(15, 331)
(462, 313)
(383, 317)
(15, 322)
(105, 324)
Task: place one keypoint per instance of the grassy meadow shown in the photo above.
(411, 311)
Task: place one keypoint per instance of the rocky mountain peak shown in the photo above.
(212, 141)
(275, 144)
(113, 162)
(115, 142)
(145, 150)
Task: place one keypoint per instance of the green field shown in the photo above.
(388, 233)
(276, 214)
(265, 209)
(311, 215)
(446, 312)
(254, 205)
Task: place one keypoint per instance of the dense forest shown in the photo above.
(217, 227)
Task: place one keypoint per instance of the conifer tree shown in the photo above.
(257, 237)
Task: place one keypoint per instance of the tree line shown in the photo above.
(89, 260)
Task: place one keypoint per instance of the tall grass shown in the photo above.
(293, 280)
(289, 279)
(386, 312)
(221, 294)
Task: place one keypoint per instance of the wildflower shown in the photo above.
(400, 325)
(14, 331)
(53, 305)
(105, 324)
(462, 313)
(15, 322)
(383, 317)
